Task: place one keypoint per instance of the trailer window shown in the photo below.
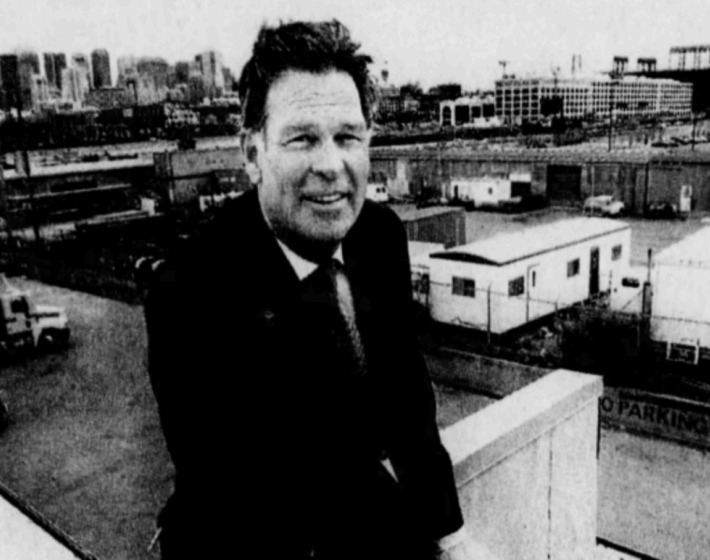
(572, 268)
(19, 306)
(616, 252)
(463, 287)
(420, 282)
(516, 287)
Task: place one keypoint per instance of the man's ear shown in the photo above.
(252, 145)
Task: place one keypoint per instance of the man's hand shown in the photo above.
(462, 547)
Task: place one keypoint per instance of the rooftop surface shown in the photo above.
(693, 250)
(505, 248)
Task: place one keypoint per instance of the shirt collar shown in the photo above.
(303, 267)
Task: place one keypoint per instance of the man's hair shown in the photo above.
(315, 47)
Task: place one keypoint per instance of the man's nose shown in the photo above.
(328, 160)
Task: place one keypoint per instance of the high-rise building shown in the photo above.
(75, 85)
(40, 91)
(54, 63)
(82, 62)
(28, 67)
(146, 78)
(210, 63)
(101, 66)
(60, 63)
(49, 70)
(10, 80)
(229, 80)
(182, 72)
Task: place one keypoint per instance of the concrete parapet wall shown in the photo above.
(26, 535)
(526, 469)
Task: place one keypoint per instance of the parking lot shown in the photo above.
(84, 444)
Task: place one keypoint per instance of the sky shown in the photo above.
(424, 41)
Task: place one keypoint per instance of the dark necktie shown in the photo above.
(347, 334)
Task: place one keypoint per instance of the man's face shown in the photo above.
(311, 162)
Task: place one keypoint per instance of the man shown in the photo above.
(294, 401)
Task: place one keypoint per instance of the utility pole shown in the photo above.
(557, 105)
(611, 113)
(694, 116)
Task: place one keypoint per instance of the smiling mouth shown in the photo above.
(326, 199)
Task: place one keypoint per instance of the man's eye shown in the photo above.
(302, 140)
(349, 139)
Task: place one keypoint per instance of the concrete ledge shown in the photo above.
(25, 534)
(526, 469)
(499, 430)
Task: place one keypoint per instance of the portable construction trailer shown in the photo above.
(680, 300)
(508, 280)
(480, 192)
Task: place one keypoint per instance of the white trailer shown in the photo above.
(485, 191)
(680, 300)
(508, 280)
(419, 252)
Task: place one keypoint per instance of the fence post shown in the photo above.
(488, 322)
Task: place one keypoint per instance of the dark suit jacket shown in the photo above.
(274, 447)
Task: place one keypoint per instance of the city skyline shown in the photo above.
(450, 41)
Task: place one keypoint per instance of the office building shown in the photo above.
(477, 110)
(101, 67)
(210, 63)
(83, 63)
(54, 63)
(9, 81)
(75, 85)
(146, 79)
(539, 99)
(689, 64)
(28, 68)
(182, 72)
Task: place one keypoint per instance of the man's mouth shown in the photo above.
(326, 199)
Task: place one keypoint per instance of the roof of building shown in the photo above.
(507, 248)
(579, 155)
(409, 213)
(693, 250)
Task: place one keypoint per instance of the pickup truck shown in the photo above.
(27, 326)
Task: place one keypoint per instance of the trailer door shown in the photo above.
(594, 272)
(532, 304)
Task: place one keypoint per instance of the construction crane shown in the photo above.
(504, 64)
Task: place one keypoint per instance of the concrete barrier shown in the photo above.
(526, 469)
(25, 534)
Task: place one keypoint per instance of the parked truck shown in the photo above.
(27, 326)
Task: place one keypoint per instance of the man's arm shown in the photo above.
(436, 475)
